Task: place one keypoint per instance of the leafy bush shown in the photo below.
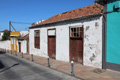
(6, 36)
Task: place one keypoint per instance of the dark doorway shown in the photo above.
(28, 46)
(19, 46)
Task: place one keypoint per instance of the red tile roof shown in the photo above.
(88, 10)
(24, 37)
(5, 30)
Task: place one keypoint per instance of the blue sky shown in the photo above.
(30, 11)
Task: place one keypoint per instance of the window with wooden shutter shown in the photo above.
(37, 39)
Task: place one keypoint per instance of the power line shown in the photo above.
(20, 22)
(11, 26)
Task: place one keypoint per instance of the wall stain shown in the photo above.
(96, 25)
(91, 48)
(86, 37)
(87, 28)
(92, 57)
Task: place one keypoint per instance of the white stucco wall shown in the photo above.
(23, 46)
(93, 43)
(92, 53)
(43, 42)
(51, 32)
(62, 42)
(0, 37)
(5, 45)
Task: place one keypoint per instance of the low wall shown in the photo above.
(5, 44)
(0, 37)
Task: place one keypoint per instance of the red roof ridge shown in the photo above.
(24, 37)
(79, 12)
(81, 8)
(6, 30)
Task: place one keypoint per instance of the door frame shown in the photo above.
(48, 38)
(82, 44)
(19, 46)
(27, 46)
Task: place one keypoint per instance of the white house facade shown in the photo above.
(77, 39)
(23, 44)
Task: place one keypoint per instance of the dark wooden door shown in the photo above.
(76, 50)
(52, 46)
(28, 46)
(76, 45)
(19, 46)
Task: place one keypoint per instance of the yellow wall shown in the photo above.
(14, 40)
(12, 45)
(17, 33)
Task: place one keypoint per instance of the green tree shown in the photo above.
(101, 2)
(6, 36)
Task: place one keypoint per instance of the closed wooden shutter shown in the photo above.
(37, 39)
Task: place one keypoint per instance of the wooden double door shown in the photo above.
(76, 44)
(52, 47)
(76, 50)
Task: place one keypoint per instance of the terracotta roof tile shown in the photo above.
(88, 10)
(24, 37)
(5, 30)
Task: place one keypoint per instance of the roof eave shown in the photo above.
(81, 17)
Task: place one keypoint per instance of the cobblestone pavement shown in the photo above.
(81, 71)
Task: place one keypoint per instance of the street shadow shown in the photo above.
(1, 65)
(9, 67)
(2, 52)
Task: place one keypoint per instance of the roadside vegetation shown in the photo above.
(6, 36)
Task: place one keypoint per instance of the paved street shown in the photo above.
(15, 68)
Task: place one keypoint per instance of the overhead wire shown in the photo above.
(20, 22)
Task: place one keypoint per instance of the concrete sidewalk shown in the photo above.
(84, 72)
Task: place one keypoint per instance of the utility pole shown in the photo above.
(10, 26)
